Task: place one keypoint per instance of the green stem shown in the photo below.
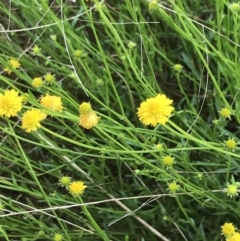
(101, 233)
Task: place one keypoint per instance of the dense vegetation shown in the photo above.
(119, 120)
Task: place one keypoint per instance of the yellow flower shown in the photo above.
(216, 121)
(225, 113)
(85, 108)
(168, 161)
(53, 37)
(234, 237)
(77, 53)
(99, 82)
(31, 119)
(228, 229)
(36, 50)
(232, 190)
(12, 64)
(200, 176)
(178, 67)
(155, 110)
(65, 181)
(51, 102)
(10, 103)
(37, 82)
(58, 237)
(77, 188)
(88, 121)
(153, 5)
(49, 78)
(158, 147)
(231, 143)
(131, 45)
(173, 187)
(235, 6)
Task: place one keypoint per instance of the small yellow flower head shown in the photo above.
(228, 229)
(65, 181)
(216, 121)
(235, 7)
(58, 237)
(234, 237)
(99, 82)
(88, 121)
(85, 108)
(155, 110)
(225, 113)
(77, 188)
(173, 187)
(200, 176)
(231, 143)
(31, 119)
(25, 97)
(36, 50)
(53, 37)
(10, 103)
(168, 161)
(232, 190)
(12, 64)
(79, 53)
(131, 45)
(49, 78)
(153, 5)
(52, 103)
(178, 67)
(37, 82)
(158, 147)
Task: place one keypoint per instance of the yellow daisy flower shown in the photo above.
(10, 103)
(235, 7)
(88, 121)
(37, 82)
(77, 53)
(232, 190)
(228, 229)
(173, 187)
(65, 181)
(85, 108)
(234, 237)
(58, 237)
(155, 111)
(36, 50)
(51, 102)
(231, 143)
(49, 78)
(178, 67)
(31, 119)
(131, 45)
(12, 64)
(225, 113)
(168, 161)
(152, 5)
(77, 188)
